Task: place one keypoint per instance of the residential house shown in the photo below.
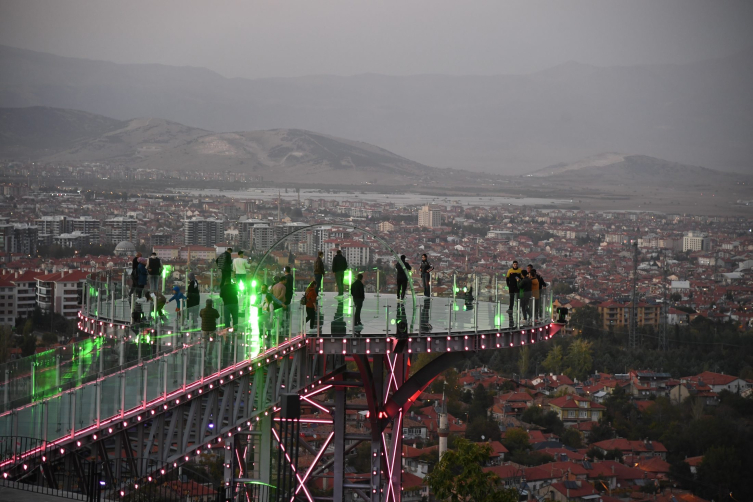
(573, 409)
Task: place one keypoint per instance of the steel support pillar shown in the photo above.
(339, 430)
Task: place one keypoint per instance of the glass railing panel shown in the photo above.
(193, 368)
(110, 396)
(154, 379)
(59, 416)
(86, 406)
(211, 358)
(30, 421)
(174, 363)
(6, 425)
(134, 381)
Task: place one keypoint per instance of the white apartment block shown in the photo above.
(429, 218)
(357, 253)
(696, 241)
(59, 291)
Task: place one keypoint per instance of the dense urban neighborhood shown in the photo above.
(658, 409)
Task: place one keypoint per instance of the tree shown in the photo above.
(481, 402)
(467, 397)
(549, 420)
(5, 334)
(516, 439)
(586, 320)
(553, 361)
(524, 361)
(721, 469)
(422, 360)
(28, 345)
(482, 428)
(572, 438)
(579, 359)
(459, 476)
(600, 431)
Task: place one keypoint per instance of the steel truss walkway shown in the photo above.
(144, 400)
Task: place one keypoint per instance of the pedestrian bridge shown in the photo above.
(140, 400)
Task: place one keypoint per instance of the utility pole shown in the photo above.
(632, 342)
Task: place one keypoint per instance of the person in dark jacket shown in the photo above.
(193, 298)
(229, 295)
(289, 286)
(319, 271)
(225, 264)
(154, 267)
(512, 277)
(311, 297)
(209, 316)
(135, 273)
(524, 292)
(402, 277)
(339, 266)
(426, 269)
(358, 295)
(142, 280)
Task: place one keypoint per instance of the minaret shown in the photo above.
(278, 206)
(444, 429)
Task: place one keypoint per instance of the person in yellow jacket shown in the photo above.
(512, 277)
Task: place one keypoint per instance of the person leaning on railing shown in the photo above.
(209, 316)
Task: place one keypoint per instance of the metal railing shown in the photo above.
(77, 477)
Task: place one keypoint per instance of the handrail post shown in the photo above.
(185, 368)
(99, 401)
(387, 319)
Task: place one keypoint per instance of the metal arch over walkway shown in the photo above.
(149, 401)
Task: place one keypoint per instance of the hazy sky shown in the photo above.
(251, 38)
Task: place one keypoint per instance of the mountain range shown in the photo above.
(57, 135)
(698, 114)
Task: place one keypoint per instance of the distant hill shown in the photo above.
(696, 114)
(57, 135)
(38, 131)
(610, 171)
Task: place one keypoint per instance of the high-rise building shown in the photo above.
(203, 231)
(86, 225)
(263, 237)
(121, 229)
(429, 218)
(357, 253)
(25, 237)
(18, 238)
(696, 241)
(53, 225)
(244, 231)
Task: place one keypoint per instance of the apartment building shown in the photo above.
(60, 291)
(357, 253)
(121, 229)
(8, 299)
(696, 241)
(617, 314)
(429, 217)
(26, 290)
(86, 225)
(203, 231)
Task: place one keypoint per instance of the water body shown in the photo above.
(399, 199)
